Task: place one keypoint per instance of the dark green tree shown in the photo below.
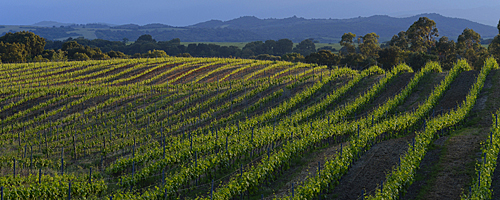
(283, 46)
(494, 48)
(422, 34)
(268, 47)
(266, 57)
(400, 40)
(369, 46)
(13, 52)
(445, 50)
(305, 47)
(498, 26)
(417, 60)
(353, 60)
(323, 57)
(116, 54)
(155, 54)
(347, 43)
(33, 44)
(469, 47)
(145, 39)
(390, 57)
(293, 57)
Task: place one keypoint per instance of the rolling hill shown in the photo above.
(249, 28)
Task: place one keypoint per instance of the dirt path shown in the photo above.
(446, 170)
(457, 91)
(426, 170)
(421, 92)
(369, 171)
(359, 89)
(303, 168)
(394, 87)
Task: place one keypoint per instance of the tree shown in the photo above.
(352, 59)
(494, 48)
(369, 47)
(155, 54)
(400, 40)
(390, 56)
(71, 45)
(469, 47)
(116, 54)
(417, 60)
(266, 57)
(445, 50)
(347, 43)
(145, 39)
(283, 46)
(59, 55)
(252, 49)
(323, 57)
(13, 52)
(422, 34)
(185, 55)
(80, 56)
(498, 26)
(33, 44)
(292, 57)
(268, 47)
(305, 47)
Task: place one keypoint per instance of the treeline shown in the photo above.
(145, 44)
(415, 46)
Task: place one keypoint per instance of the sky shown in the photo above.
(189, 12)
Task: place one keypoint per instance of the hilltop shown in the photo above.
(250, 28)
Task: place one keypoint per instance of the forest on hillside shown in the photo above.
(420, 43)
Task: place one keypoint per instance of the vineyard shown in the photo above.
(221, 128)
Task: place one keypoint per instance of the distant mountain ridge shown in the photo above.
(323, 29)
(250, 28)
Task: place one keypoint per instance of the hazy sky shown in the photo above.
(188, 12)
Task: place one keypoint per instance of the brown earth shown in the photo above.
(393, 88)
(370, 170)
(421, 92)
(447, 168)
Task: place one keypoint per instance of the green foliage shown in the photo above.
(323, 57)
(34, 44)
(399, 179)
(418, 59)
(266, 57)
(422, 34)
(481, 182)
(352, 60)
(390, 56)
(494, 48)
(116, 54)
(469, 47)
(13, 52)
(347, 43)
(400, 40)
(76, 51)
(80, 56)
(369, 47)
(185, 55)
(305, 47)
(155, 54)
(446, 50)
(293, 57)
